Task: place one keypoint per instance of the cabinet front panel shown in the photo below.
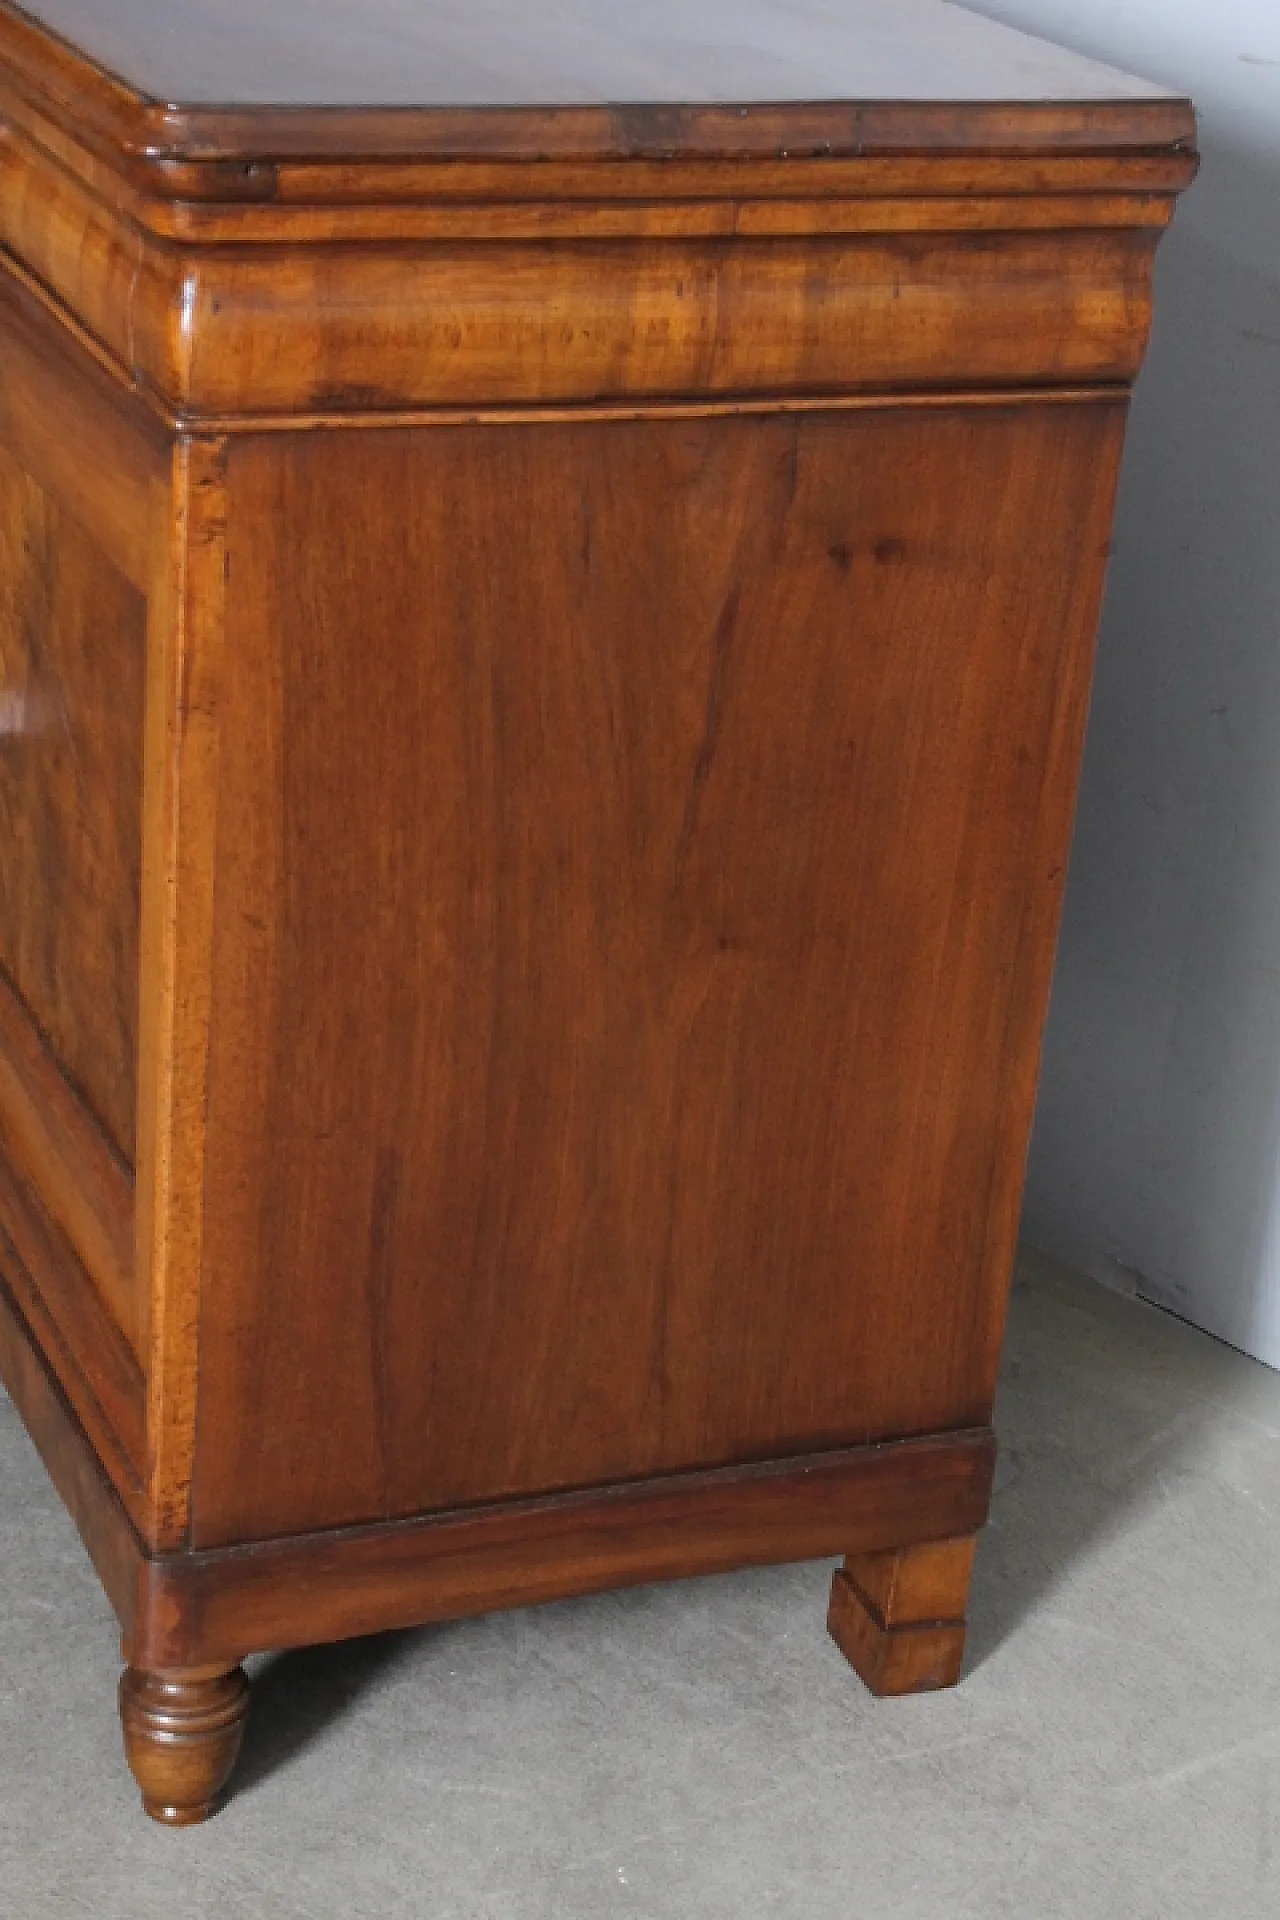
(83, 475)
(639, 857)
(72, 652)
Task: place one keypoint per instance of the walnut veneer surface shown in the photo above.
(547, 590)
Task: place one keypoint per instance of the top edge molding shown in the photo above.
(156, 143)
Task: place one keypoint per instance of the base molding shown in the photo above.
(209, 1609)
(224, 1604)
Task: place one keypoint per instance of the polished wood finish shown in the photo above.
(80, 1465)
(338, 261)
(182, 1733)
(898, 1617)
(66, 422)
(71, 795)
(96, 1364)
(318, 53)
(615, 988)
(80, 475)
(180, 1611)
(184, 670)
(318, 311)
(228, 1602)
(547, 592)
(64, 1156)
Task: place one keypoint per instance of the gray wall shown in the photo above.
(1157, 1143)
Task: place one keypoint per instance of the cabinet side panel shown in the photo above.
(639, 857)
(72, 648)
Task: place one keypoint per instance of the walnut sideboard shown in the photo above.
(549, 561)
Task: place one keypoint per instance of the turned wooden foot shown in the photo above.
(898, 1618)
(182, 1733)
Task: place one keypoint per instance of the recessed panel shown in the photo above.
(72, 632)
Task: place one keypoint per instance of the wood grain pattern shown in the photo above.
(95, 1363)
(73, 1461)
(914, 1586)
(1134, 195)
(185, 666)
(80, 466)
(185, 1612)
(629, 1042)
(222, 1605)
(69, 1162)
(182, 1734)
(65, 422)
(374, 266)
(71, 667)
(543, 659)
(476, 53)
(303, 321)
(464, 79)
(482, 325)
(247, 165)
(368, 177)
(899, 1618)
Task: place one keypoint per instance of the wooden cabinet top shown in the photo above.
(417, 53)
(584, 78)
(318, 207)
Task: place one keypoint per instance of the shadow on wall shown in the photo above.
(1157, 1143)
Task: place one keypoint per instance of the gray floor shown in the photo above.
(701, 1752)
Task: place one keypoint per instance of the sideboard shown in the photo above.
(549, 564)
